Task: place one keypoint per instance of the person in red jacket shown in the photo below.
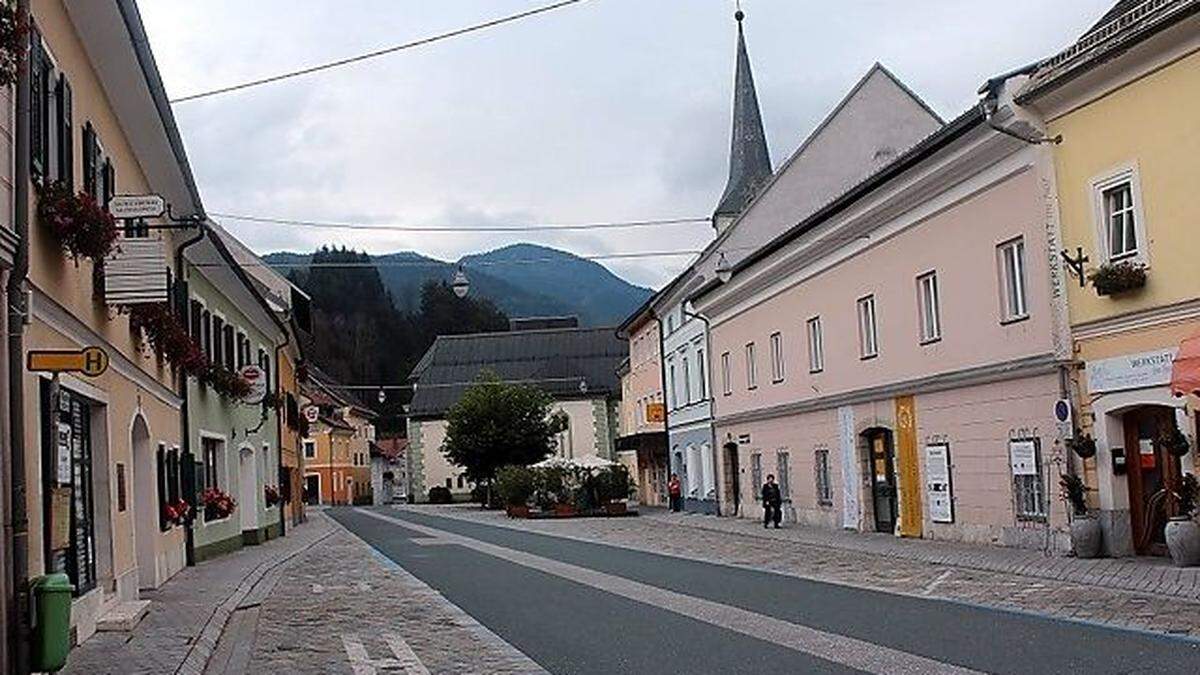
(675, 492)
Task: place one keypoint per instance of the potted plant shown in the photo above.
(515, 485)
(1084, 446)
(1085, 529)
(82, 227)
(176, 512)
(1175, 442)
(1183, 533)
(1119, 277)
(612, 489)
(217, 504)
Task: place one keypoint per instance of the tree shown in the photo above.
(498, 424)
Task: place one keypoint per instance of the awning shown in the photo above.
(1185, 372)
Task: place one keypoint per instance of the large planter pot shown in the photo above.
(1183, 541)
(521, 511)
(565, 510)
(1086, 537)
(615, 508)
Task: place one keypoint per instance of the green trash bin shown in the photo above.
(50, 621)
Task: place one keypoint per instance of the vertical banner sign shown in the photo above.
(908, 471)
(938, 484)
(850, 480)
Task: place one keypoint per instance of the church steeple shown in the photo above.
(749, 161)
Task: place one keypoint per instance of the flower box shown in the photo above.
(1117, 278)
(217, 504)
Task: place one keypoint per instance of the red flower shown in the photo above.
(82, 226)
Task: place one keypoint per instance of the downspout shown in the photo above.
(662, 377)
(189, 546)
(16, 523)
(287, 339)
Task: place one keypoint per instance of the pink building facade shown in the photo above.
(642, 442)
(895, 359)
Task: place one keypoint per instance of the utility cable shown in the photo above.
(537, 227)
(377, 53)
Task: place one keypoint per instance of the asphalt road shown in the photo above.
(578, 607)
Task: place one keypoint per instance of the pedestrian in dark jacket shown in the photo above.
(675, 492)
(772, 501)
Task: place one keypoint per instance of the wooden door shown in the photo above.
(1151, 469)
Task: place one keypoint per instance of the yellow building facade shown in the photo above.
(1123, 99)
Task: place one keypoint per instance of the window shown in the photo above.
(449, 483)
(460, 481)
(230, 355)
(1012, 279)
(756, 475)
(701, 380)
(1025, 456)
(206, 336)
(726, 383)
(264, 362)
(776, 357)
(751, 371)
(821, 471)
(782, 463)
(671, 385)
(195, 316)
(218, 343)
(243, 350)
(816, 348)
(1120, 223)
(65, 133)
(868, 335)
(310, 450)
(687, 382)
(929, 305)
(211, 450)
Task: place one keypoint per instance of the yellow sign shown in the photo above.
(90, 361)
(656, 412)
(908, 471)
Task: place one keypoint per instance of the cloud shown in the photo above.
(599, 112)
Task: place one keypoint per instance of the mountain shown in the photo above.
(521, 279)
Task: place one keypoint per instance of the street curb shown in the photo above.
(460, 616)
(205, 644)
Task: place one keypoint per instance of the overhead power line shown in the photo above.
(538, 227)
(468, 265)
(377, 53)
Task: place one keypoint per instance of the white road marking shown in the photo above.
(932, 585)
(841, 649)
(362, 663)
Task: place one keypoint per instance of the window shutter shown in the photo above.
(89, 159)
(66, 135)
(109, 181)
(181, 301)
(160, 462)
(37, 112)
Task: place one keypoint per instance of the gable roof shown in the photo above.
(568, 363)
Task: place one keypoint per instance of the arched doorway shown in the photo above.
(1151, 469)
(881, 466)
(145, 496)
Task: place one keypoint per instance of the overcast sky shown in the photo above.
(603, 111)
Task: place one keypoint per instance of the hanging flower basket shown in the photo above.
(1117, 278)
(167, 337)
(177, 512)
(12, 41)
(217, 504)
(271, 495)
(1084, 446)
(77, 221)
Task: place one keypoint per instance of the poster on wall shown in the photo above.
(1023, 455)
(850, 463)
(64, 454)
(938, 486)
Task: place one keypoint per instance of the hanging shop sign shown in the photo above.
(311, 414)
(656, 412)
(90, 361)
(1131, 371)
(256, 377)
(137, 206)
(938, 487)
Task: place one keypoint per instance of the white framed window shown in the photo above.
(777, 357)
(1011, 259)
(701, 379)
(756, 475)
(1120, 220)
(671, 384)
(310, 449)
(1029, 494)
(816, 346)
(751, 369)
(930, 307)
(868, 332)
(687, 382)
(726, 382)
(821, 475)
(783, 474)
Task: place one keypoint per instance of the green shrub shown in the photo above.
(550, 487)
(515, 485)
(439, 495)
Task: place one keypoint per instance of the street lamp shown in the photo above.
(382, 396)
(724, 270)
(460, 284)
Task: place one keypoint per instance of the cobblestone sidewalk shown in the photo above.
(949, 572)
(342, 608)
(188, 612)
